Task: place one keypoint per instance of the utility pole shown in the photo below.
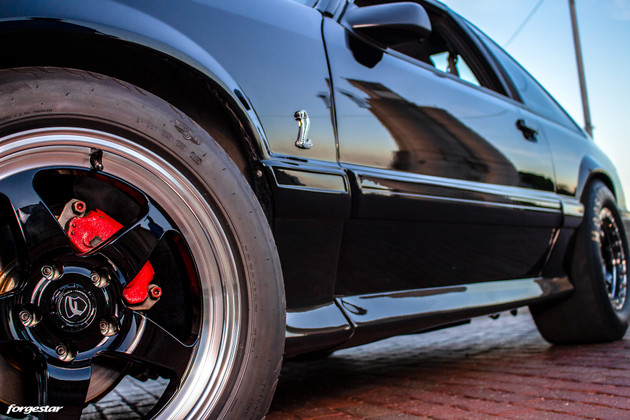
(588, 127)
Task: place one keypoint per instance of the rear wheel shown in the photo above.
(599, 308)
(130, 246)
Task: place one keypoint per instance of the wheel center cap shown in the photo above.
(74, 306)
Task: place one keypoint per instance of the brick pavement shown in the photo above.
(487, 369)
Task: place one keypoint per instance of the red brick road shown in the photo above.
(487, 369)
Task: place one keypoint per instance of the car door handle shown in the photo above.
(528, 132)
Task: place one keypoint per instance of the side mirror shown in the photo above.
(390, 24)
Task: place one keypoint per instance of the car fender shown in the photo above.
(599, 167)
(102, 19)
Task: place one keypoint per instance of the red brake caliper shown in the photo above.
(87, 230)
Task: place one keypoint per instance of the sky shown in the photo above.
(545, 48)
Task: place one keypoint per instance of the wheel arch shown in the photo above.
(198, 85)
(592, 170)
(604, 178)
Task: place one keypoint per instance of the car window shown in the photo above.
(532, 94)
(443, 61)
(447, 49)
(442, 49)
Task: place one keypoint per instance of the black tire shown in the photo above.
(218, 327)
(598, 309)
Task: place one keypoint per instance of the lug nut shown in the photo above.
(51, 272)
(64, 354)
(96, 279)
(28, 318)
(48, 272)
(25, 317)
(108, 328)
(62, 351)
(99, 279)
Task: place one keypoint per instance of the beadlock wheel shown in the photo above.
(85, 207)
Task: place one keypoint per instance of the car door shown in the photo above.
(446, 189)
(568, 143)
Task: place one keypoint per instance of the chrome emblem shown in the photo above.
(304, 122)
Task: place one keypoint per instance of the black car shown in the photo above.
(191, 189)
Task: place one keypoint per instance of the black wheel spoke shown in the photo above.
(63, 387)
(147, 342)
(132, 248)
(35, 229)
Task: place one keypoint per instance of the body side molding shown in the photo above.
(384, 181)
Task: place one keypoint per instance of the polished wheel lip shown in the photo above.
(614, 267)
(220, 324)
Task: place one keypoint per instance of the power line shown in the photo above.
(522, 25)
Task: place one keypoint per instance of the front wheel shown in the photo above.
(599, 308)
(131, 246)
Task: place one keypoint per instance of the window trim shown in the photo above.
(516, 96)
(498, 71)
(476, 59)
